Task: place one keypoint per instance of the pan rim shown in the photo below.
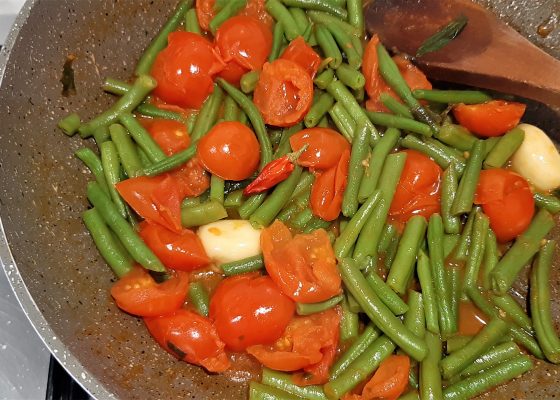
(41, 326)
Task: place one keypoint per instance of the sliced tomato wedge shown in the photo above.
(325, 147)
(327, 191)
(301, 53)
(493, 118)
(192, 179)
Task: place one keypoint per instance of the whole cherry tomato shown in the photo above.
(325, 147)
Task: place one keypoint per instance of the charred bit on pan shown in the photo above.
(67, 80)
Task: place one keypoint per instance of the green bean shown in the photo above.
(144, 160)
(191, 201)
(378, 312)
(476, 249)
(318, 110)
(497, 355)
(513, 311)
(477, 384)
(327, 19)
(277, 41)
(360, 148)
(414, 319)
(489, 144)
(525, 247)
(208, 114)
(117, 257)
(449, 243)
(283, 381)
(176, 160)
(231, 8)
(191, 121)
(112, 168)
(550, 203)
(395, 106)
(127, 150)
(301, 219)
(128, 237)
(428, 292)
(217, 189)
(234, 199)
(390, 72)
(456, 136)
(149, 110)
(348, 236)
(199, 298)
(389, 232)
(403, 266)
(350, 76)
(70, 124)
(356, 14)
(462, 248)
(443, 295)
(284, 147)
(143, 85)
(304, 184)
(366, 338)
(328, 45)
(191, 22)
(504, 149)
(360, 368)
(243, 266)
(452, 96)
(491, 258)
(313, 308)
(343, 121)
(324, 78)
(410, 396)
(249, 81)
(115, 86)
(378, 155)
(258, 391)
(387, 296)
(430, 376)
(142, 137)
(300, 17)
(318, 5)
(368, 241)
(160, 41)
(451, 223)
(359, 94)
(481, 343)
(391, 251)
(316, 223)
(463, 201)
(101, 135)
(457, 342)
(394, 121)
(346, 45)
(94, 164)
(202, 214)
(453, 275)
(231, 109)
(282, 15)
(441, 154)
(349, 321)
(540, 303)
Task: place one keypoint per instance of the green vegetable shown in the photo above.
(443, 36)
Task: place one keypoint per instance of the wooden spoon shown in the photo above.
(487, 54)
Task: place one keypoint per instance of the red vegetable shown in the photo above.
(301, 53)
(328, 189)
(493, 118)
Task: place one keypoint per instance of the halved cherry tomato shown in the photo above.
(303, 344)
(301, 53)
(376, 85)
(493, 118)
(205, 11)
(190, 337)
(284, 93)
(156, 199)
(418, 191)
(326, 147)
(327, 191)
(507, 200)
(389, 381)
(245, 42)
(230, 150)
(138, 294)
(180, 251)
(170, 135)
(303, 266)
(185, 70)
(257, 9)
(192, 178)
(250, 309)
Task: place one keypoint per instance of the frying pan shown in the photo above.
(57, 274)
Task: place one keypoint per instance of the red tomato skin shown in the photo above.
(284, 93)
(138, 294)
(493, 118)
(326, 147)
(255, 8)
(185, 70)
(189, 337)
(171, 136)
(179, 251)
(301, 53)
(327, 191)
(418, 191)
(230, 150)
(192, 179)
(249, 310)
(205, 12)
(507, 200)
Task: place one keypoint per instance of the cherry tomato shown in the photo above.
(327, 191)
(180, 251)
(138, 294)
(230, 150)
(156, 199)
(248, 310)
(418, 191)
(325, 147)
(257, 9)
(493, 118)
(190, 337)
(192, 179)
(170, 135)
(185, 70)
(245, 42)
(301, 53)
(376, 85)
(303, 344)
(284, 93)
(507, 200)
(303, 266)
(205, 11)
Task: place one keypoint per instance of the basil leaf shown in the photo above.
(443, 36)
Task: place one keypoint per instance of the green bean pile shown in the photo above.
(432, 265)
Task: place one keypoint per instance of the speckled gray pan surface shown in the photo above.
(60, 278)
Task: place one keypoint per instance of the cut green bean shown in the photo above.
(324, 78)
(300, 17)
(243, 266)
(277, 42)
(550, 203)
(149, 110)
(366, 338)
(395, 121)
(112, 169)
(428, 292)
(127, 150)
(199, 298)
(350, 76)
(142, 137)
(504, 149)
(283, 381)
(116, 257)
(313, 308)
(387, 296)
(258, 391)
(452, 96)
(176, 160)
(513, 311)
(282, 15)
(454, 275)
(191, 22)
(476, 249)
(462, 248)
(441, 154)
(231, 109)
(456, 136)
(231, 8)
(328, 45)
(497, 355)
(356, 14)
(249, 81)
(457, 342)
(234, 199)
(94, 164)
(346, 45)
(430, 376)
(217, 189)
(451, 223)
(327, 19)
(389, 232)
(318, 5)
(449, 243)
(343, 121)
(202, 214)
(395, 106)
(491, 258)
(301, 219)
(318, 110)
(349, 321)
(70, 124)
(208, 114)
(284, 147)
(115, 86)
(360, 148)
(463, 201)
